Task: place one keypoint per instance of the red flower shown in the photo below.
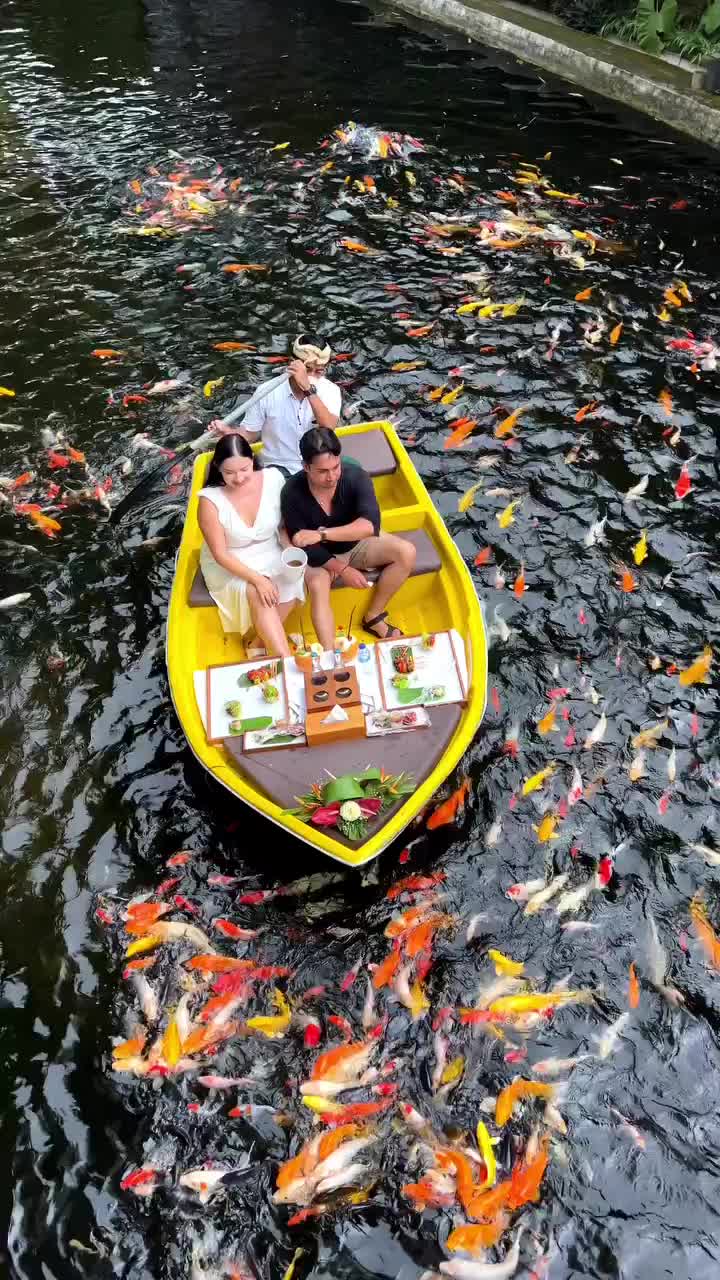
(370, 806)
(326, 817)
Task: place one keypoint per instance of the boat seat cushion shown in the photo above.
(372, 450)
(427, 561)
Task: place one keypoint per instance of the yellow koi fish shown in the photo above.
(507, 516)
(536, 781)
(468, 497)
(698, 672)
(503, 964)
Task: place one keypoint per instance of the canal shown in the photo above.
(98, 788)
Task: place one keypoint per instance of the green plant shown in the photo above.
(655, 25)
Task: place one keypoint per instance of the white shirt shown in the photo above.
(282, 419)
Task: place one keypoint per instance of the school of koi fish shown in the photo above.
(308, 1107)
(328, 1116)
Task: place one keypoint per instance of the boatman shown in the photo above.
(285, 414)
(330, 510)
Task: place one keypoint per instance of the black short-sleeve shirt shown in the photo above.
(354, 500)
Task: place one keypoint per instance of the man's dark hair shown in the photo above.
(316, 441)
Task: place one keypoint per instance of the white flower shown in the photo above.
(350, 811)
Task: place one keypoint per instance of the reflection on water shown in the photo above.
(98, 789)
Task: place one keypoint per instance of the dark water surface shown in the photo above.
(98, 789)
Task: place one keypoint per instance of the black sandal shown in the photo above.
(392, 633)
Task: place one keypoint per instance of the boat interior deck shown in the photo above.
(430, 601)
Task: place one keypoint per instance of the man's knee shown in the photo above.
(406, 554)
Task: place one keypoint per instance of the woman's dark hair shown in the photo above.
(233, 446)
(316, 441)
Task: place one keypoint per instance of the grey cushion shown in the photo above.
(372, 450)
(428, 561)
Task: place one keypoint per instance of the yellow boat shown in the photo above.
(439, 597)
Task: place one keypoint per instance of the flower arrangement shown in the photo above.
(349, 802)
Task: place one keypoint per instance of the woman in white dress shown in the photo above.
(239, 515)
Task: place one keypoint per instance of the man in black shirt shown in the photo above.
(330, 510)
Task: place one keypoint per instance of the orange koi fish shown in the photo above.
(512, 1094)
(107, 353)
(414, 884)
(463, 428)
(140, 916)
(234, 346)
(130, 1048)
(356, 1111)
(666, 400)
(584, 295)
(427, 1195)
(217, 964)
(356, 246)
(633, 989)
(447, 812)
(547, 724)
(206, 1038)
(422, 332)
(519, 584)
(482, 557)
(57, 460)
(705, 931)
(345, 1062)
(586, 410)
(697, 673)
(474, 1239)
(508, 424)
(420, 937)
(45, 524)
(76, 455)
(386, 970)
(525, 1179)
(233, 268)
(615, 334)
(401, 925)
(21, 480)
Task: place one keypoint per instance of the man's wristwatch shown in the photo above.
(311, 391)
(323, 533)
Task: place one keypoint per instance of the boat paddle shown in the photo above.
(194, 446)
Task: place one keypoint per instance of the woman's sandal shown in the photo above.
(392, 633)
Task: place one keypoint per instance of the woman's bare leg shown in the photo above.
(269, 623)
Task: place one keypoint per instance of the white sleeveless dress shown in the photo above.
(257, 546)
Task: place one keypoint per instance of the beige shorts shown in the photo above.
(358, 557)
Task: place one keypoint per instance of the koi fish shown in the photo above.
(633, 989)
(535, 782)
(482, 557)
(469, 1239)
(463, 429)
(211, 386)
(521, 892)
(45, 524)
(503, 964)
(597, 734)
(683, 484)
(538, 900)
(234, 346)
(640, 549)
(507, 516)
(547, 724)
(451, 396)
(584, 295)
(705, 931)
(665, 399)
(233, 268)
(586, 410)
(106, 353)
(697, 673)
(356, 246)
(606, 1043)
(468, 498)
(231, 930)
(406, 366)
(637, 490)
(56, 460)
(447, 812)
(508, 424)
(143, 1182)
(519, 584)
(546, 830)
(650, 737)
(273, 1026)
(538, 1002)
(615, 334)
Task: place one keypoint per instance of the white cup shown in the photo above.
(294, 562)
